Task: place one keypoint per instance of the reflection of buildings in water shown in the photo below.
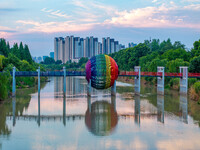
(137, 109)
(184, 107)
(58, 86)
(74, 85)
(160, 108)
(101, 117)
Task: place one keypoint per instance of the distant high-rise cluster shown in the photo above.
(131, 45)
(73, 48)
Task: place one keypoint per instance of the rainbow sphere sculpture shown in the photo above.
(102, 70)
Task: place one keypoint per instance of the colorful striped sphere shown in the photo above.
(102, 70)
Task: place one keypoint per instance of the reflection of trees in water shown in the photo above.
(23, 97)
(102, 119)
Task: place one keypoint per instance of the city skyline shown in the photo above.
(72, 48)
(37, 22)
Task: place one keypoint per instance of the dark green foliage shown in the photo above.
(3, 48)
(58, 62)
(196, 50)
(128, 58)
(195, 65)
(49, 60)
(173, 65)
(177, 53)
(4, 85)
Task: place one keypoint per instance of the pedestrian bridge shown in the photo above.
(160, 75)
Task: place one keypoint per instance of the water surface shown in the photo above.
(126, 121)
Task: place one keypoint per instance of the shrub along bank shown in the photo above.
(18, 56)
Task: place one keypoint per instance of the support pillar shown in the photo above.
(160, 108)
(38, 81)
(161, 81)
(64, 80)
(184, 80)
(14, 83)
(89, 88)
(137, 80)
(113, 89)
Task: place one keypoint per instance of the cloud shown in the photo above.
(154, 1)
(52, 27)
(56, 13)
(163, 16)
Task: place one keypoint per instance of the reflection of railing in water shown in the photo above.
(137, 115)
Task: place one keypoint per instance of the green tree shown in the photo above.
(178, 45)
(49, 60)
(27, 54)
(173, 65)
(196, 50)
(3, 47)
(58, 62)
(174, 54)
(195, 65)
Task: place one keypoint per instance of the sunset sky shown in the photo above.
(37, 22)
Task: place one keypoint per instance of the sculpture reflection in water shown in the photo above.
(137, 109)
(101, 116)
(160, 108)
(184, 108)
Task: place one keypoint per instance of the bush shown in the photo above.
(174, 83)
(197, 87)
(4, 85)
(191, 81)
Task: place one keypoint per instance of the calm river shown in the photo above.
(51, 122)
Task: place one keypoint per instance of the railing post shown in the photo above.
(64, 80)
(161, 81)
(160, 108)
(113, 89)
(137, 80)
(89, 88)
(184, 80)
(38, 81)
(14, 83)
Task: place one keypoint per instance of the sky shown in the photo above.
(37, 22)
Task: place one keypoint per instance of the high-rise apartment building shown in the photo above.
(104, 50)
(73, 48)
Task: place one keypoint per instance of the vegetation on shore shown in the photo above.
(20, 57)
(170, 55)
